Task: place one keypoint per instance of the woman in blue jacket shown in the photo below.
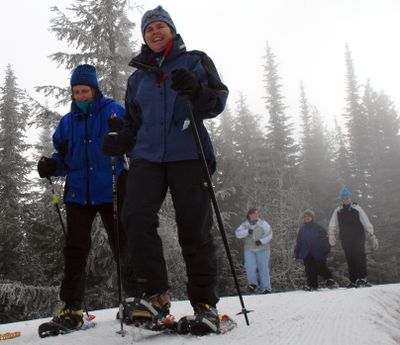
(167, 79)
(312, 246)
(77, 140)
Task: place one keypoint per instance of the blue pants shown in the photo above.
(258, 261)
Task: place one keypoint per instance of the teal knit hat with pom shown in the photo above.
(344, 192)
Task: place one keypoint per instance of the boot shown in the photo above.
(146, 310)
(363, 282)
(330, 283)
(69, 318)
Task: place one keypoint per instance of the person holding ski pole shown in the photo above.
(78, 156)
(164, 156)
(352, 223)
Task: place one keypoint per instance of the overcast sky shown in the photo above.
(307, 37)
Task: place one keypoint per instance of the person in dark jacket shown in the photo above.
(312, 246)
(157, 131)
(353, 225)
(77, 140)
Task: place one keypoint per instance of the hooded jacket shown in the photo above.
(78, 140)
(157, 118)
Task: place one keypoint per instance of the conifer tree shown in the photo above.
(357, 127)
(100, 32)
(13, 169)
(315, 159)
(280, 141)
(283, 202)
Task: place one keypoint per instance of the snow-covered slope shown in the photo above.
(338, 317)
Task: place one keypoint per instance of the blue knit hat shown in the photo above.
(344, 192)
(157, 14)
(84, 75)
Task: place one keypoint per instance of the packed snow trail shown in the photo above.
(365, 316)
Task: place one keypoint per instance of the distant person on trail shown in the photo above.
(257, 235)
(312, 246)
(353, 226)
(169, 80)
(77, 140)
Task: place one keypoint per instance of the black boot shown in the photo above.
(146, 310)
(69, 318)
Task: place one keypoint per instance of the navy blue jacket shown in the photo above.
(78, 139)
(312, 239)
(156, 116)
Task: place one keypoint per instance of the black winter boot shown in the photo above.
(69, 318)
(145, 310)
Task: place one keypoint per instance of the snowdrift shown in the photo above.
(327, 317)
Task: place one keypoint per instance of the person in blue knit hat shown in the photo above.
(353, 225)
(157, 131)
(78, 157)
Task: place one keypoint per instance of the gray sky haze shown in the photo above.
(307, 37)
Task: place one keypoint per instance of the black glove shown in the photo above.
(185, 83)
(258, 243)
(113, 145)
(116, 124)
(251, 231)
(46, 167)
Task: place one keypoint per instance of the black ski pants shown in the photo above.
(354, 251)
(78, 244)
(147, 187)
(314, 268)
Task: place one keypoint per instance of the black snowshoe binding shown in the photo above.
(149, 313)
(66, 321)
(204, 321)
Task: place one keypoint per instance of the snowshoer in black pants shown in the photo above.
(167, 80)
(353, 225)
(78, 140)
(312, 247)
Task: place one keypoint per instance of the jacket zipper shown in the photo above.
(87, 160)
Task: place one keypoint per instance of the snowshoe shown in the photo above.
(363, 283)
(139, 311)
(331, 284)
(66, 321)
(252, 288)
(351, 285)
(204, 321)
(309, 288)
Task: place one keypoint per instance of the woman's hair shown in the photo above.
(251, 211)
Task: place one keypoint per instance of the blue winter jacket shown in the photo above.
(312, 239)
(78, 139)
(157, 119)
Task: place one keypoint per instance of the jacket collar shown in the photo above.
(147, 59)
(93, 106)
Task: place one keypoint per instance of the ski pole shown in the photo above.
(55, 202)
(221, 228)
(116, 231)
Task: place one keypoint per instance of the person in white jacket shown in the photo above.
(257, 234)
(352, 223)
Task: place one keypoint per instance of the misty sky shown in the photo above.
(307, 37)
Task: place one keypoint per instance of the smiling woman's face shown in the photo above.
(157, 35)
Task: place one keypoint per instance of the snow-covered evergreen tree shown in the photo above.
(101, 34)
(13, 181)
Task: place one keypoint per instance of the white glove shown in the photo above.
(332, 239)
(374, 242)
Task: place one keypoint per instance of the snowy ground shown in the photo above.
(367, 316)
